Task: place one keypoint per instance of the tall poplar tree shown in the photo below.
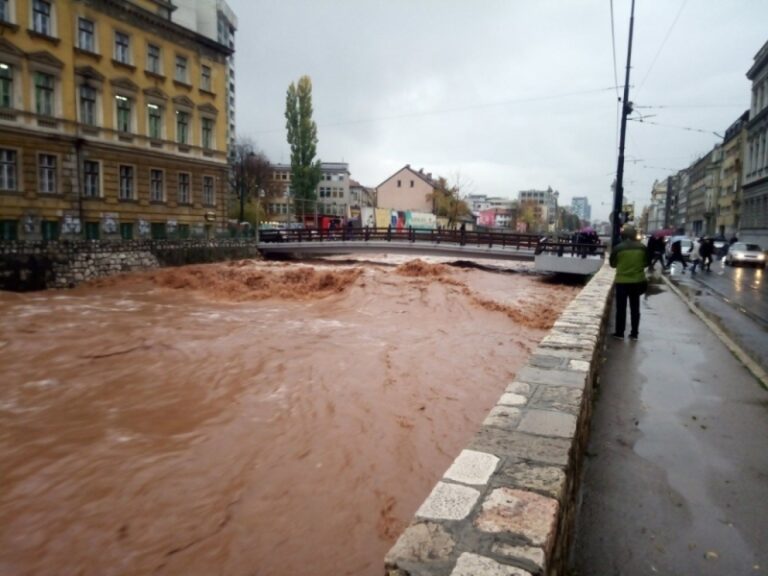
(302, 137)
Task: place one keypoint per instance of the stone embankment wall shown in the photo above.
(506, 505)
(40, 265)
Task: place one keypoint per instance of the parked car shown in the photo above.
(686, 245)
(745, 253)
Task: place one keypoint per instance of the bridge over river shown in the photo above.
(548, 255)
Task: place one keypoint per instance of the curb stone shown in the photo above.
(506, 505)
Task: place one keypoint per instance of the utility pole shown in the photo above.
(626, 110)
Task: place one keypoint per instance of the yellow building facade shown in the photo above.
(112, 122)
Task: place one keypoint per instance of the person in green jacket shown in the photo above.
(630, 258)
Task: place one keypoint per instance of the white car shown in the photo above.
(745, 253)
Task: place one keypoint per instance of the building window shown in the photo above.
(47, 173)
(92, 231)
(126, 183)
(183, 231)
(122, 48)
(207, 133)
(41, 17)
(209, 198)
(49, 229)
(156, 187)
(399, 184)
(88, 105)
(85, 35)
(44, 84)
(5, 15)
(182, 127)
(123, 113)
(205, 78)
(155, 119)
(6, 86)
(7, 169)
(184, 196)
(91, 179)
(157, 230)
(126, 230)
(181, 69)
(153, 58)
(9, 230)
(411, 183)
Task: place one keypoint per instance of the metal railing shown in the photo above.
(368, 234)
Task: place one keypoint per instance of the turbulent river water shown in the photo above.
(247, 418)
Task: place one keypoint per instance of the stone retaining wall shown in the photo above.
(506, 505)
(40, 265)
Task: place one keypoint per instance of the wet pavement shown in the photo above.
(736, 299)
(676, 474)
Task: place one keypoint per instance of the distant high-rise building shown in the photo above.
(580, 206)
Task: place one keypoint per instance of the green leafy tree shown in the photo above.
(302, 137)
(447, 202)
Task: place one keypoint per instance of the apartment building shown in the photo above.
(754, 223)
(112, 122)
(216, 20)
(332, 195)
(544, 204)
(729, 198)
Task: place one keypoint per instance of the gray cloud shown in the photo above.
(510, 94)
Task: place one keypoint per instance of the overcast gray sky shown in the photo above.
(505, 94)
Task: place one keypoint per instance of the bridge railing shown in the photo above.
(557, 247)
(458, 237)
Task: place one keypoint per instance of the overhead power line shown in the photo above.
(438, 112)
(663, 42)
(686, 128)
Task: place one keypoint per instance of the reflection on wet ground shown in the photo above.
(248, 418)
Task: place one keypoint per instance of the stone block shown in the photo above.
(472, 467)
(548, 423)
(519, 513)
(559, 398)
(505, 417)
(521, 446)
(512, 399)
(519, 388)
(547, 480)
(552, 377)
(448, 502)
(476, 565)
(420, 543)
(528, 554)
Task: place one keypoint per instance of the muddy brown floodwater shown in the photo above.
(246, 418)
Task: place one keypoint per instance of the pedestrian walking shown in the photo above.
(695, 256)
(630, 258)
(707, 250)
(656, 252)
(676, 255)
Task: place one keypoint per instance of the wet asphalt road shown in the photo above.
(736, 298)
(676, 477)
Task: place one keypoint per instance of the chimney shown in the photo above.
(429, 175)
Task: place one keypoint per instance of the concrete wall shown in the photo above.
(506, 506)
(40, 265)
